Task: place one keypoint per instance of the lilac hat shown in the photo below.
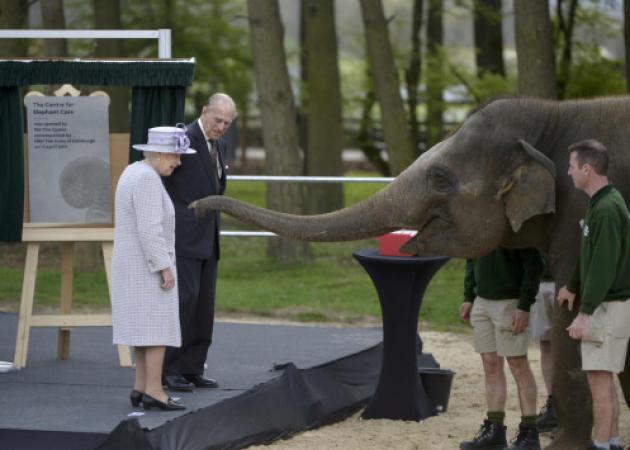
(167, 140)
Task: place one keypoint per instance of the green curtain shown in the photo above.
(11, 165)
(158, 99)
(153, 106)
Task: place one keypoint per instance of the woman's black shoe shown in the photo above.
(135, 397)
(149, 402)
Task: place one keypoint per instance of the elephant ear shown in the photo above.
(530, 189)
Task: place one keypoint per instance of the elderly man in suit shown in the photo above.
(197, 243)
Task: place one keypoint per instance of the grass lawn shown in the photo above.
(333, 287)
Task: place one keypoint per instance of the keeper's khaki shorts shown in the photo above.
(492, 325)
(605, 340)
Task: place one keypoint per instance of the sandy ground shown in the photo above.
(466, 410)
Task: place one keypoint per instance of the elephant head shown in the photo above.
(464, 196)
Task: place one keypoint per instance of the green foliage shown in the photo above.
(354, 84)
(598, 17)
(484, 88)
(215, 32)
(590, 73)
(595, 75)
(490, 86)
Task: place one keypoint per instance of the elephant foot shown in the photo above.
(567, 440)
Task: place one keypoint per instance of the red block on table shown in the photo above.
(389, 244)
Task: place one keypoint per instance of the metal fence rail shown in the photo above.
(162, 35)
(293, 179)
(309, 179)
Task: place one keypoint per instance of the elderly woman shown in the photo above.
(145, 308)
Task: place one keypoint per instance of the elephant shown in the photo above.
(497, 180)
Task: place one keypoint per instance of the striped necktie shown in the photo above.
(214, 151)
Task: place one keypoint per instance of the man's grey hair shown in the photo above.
(222, 98)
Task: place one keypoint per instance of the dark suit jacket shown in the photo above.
(189, 182)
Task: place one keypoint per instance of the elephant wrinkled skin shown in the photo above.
(498, 180)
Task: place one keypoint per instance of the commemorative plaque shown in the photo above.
(68, 159)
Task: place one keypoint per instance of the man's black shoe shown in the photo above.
(491, 436)
(547, 419)
(178, 383)
(526, 439)
(202, 382)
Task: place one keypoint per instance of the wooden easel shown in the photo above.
(34, 236)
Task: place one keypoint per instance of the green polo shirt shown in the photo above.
(505, 274)
(602, 272)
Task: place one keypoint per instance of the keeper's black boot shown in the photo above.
(491, 436)
(526, 439)
(547, 419)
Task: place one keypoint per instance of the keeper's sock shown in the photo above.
(529, 421)
(496, 416)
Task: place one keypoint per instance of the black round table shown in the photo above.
(400, 282)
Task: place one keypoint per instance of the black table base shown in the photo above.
(400, 283)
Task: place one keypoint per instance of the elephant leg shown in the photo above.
(570, 390)
(624, 379)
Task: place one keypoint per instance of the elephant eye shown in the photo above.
(441, 180)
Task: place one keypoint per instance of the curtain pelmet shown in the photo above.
(106, 73)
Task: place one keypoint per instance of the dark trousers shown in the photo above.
(196, 279)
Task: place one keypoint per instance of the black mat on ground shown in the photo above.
(88, 394)
(47, 440)
(297, 400)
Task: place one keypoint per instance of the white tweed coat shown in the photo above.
(143, 314)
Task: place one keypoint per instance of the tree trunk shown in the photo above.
(626, 39)
(381, 59)
(365, 136)
(412, 75)
(435, 73)
(488, 37)
(278, 113)
(13, 16)
(302, 110)
(323, 105)
(53, 19)
(565, 29)
(624, 377)
(534, 49)
(107, 16)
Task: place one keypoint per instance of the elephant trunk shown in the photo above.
(374, 216)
